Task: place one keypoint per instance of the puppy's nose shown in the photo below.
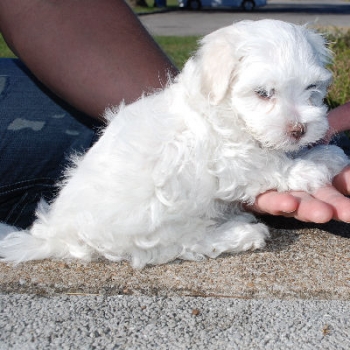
(296, 131)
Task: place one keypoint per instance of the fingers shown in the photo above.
(339, 203)
(300, 205)
(275, 203)
(312, 209)
(342, 181)
(326, 204)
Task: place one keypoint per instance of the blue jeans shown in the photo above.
(38, 133)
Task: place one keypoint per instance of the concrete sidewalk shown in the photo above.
(299, 262)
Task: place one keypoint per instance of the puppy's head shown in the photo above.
(272, 76)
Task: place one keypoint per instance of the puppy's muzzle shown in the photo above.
(296, 131)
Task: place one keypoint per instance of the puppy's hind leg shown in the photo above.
(239, 234)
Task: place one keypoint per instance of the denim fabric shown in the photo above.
(38, 132)
(342, 140)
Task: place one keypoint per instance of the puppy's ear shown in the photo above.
(319, 46)
(216, 59)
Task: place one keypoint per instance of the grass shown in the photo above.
(180, 48)
(4, 50)
(339, 92)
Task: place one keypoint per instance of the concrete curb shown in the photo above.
(309, 263)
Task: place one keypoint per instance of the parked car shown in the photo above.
(247, 5)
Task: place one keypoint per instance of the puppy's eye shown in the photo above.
(264, 94)
(311, 87)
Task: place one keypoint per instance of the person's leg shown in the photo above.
(38, 132)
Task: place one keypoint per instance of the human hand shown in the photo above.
(327, 203)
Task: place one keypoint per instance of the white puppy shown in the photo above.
(168, 177)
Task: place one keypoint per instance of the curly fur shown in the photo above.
(170, 172)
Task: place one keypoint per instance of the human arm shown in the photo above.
(339, 118)
(91, 53)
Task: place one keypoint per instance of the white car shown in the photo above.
(247, 5)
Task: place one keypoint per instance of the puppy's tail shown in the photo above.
(19, 246)
(42, 241)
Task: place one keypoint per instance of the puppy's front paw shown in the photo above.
(307, 176)
(332, 156)
(316, 168)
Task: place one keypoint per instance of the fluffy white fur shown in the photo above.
(168, 177)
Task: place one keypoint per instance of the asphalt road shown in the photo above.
(149, 322)
(316, 12)
(127, 322)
